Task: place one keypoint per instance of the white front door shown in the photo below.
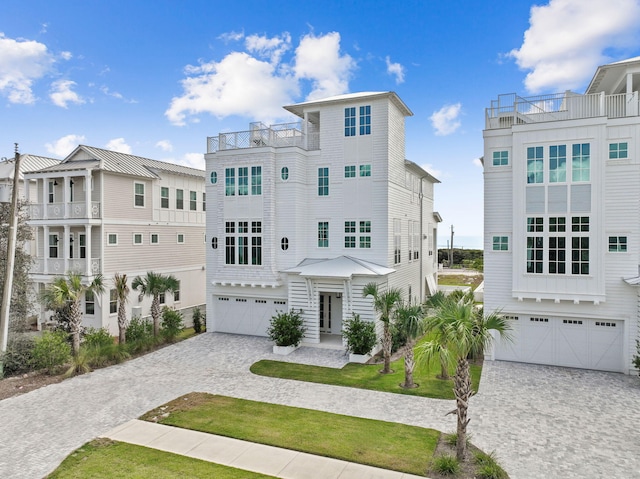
(325, 313)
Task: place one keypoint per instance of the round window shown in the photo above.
(214, 242)
(284, 173)
(214, 177)
(284, 244)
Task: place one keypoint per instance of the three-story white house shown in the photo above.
(104, 212)
(307, 213)
(562, 225)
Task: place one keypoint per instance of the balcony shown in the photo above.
(277, 136)
(63, 266)
(59, 211)
(511, 109)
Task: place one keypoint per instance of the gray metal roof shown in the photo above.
(342, 267)
(27, 163)
(298, 108)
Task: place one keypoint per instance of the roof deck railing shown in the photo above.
(280, 135)
(511, 109)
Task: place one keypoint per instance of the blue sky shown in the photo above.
(155, 78)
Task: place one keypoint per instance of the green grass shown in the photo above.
(365, 376)
(381, 444)
(105, 459)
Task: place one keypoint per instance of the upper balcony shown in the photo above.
(59, 211)
(511, 109)
(301, 134)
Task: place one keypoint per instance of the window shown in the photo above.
(365, 120)
(284, 244)
(500, 158)
(154, 238)
(82, 239)
(243, 181)
(53, 246)
(179, 199)
(535, 225)
(229, 181)
(163, 298)
(51, 194)
(580, 255)
(230, 243)
(323, 234)
(323, 181)
(580, 223)
(256, 180)
(213, 178)
(365, 170)
(410, 239)
(535, 165)
(243, 242)
(256, 250)
(617, 244)
(180, 238)
(138, 194)
(112, 239)
(89, 302)
(558, 164)
(350, 121)
(397, 240)
(350, 171)
(71, 194)
(164, 197)
(176, 294)
(416, 239)
(580, 164)
(284, 173)
(113, 301)
(204, 202)
(534, 254)
(137, 238)
(350, 234)
(618, 151)
(193, 200)
(500, 243)
(557, 255)
(214, 242)
(365, 228)
(557, 224)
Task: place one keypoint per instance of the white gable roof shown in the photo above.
(342, 267)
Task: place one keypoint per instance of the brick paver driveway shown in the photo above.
(542, 422)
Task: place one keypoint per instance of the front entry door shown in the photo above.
(325, 313)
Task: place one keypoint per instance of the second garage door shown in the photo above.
(250, 316)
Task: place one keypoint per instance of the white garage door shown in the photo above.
(577, 343)
(249, 316)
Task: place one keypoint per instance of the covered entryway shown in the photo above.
(330, 313)
(571, 342)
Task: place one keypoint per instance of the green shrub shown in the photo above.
(80, 363)
(51, 350)
(488, 467)
(360, 335)
(452, 439)
(18, 358)
(287, 329)
(446, 465)
(171, 324)
(139, 335)
(97, 338)
(636, 357)
(198, 320)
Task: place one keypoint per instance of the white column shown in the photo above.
(65, 244)
(87, 193)
(65, 198)
(45, 250)
(87, 232)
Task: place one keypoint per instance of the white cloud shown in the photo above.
(429, 168)
(193, 160)
(568, 39)
(318, 59)
(65, 145)
(62, 93)
(66, 55)
(396, 70)
(272, 48)
(21, 63)
(164, 145)
(446, 120)
(119, 145)
(104, 89)
(231, 36)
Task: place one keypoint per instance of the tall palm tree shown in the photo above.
(435, 329)
(155, 284)
(465, 330)
(69, 291)
(384, 304)
(122, 296)
(410, 320)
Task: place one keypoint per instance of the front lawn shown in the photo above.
(376, 443)
(365, 376)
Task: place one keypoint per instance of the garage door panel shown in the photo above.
(510, 350)
(537, 346)
(249, 316)
(606, 338)
(572, 343)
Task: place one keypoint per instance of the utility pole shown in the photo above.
(11, 255)
(451, 249)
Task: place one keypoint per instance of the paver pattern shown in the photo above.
(541, 421)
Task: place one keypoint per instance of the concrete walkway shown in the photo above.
(541, 421)
(249, 456)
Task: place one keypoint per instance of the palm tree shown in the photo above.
(385, 304)
(465, 330)
(410, 320)
(155, 284)
(436, 330)
(70, 291)
(122, 296)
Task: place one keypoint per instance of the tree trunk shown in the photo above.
(409, 366)
(75, 322)
(462, 391)
(444, 369)
(387, 343)
(122, 324)
(155, 314)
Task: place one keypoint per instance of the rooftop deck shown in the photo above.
(300, 134)
(511, 109)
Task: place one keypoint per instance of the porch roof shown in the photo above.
(342, 267)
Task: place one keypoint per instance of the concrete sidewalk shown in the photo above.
(245, 455)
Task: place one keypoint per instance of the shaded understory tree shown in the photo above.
(385, 304)
(155, 284)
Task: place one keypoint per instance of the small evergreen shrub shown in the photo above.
(287, 329)
(18, 358)
(139, 335)
(488, 467)
(97, 338)
(198, 320)
(447, 465)
(360, 335)
(636, 357)
(171, 325)
(398, 338)
(51, 350)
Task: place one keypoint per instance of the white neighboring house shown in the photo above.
(562, 231)
(309, 212)
(100, 211)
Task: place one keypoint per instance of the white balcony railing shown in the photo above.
(63, 266)
(41, 211)
(510, 109)
(283, 135)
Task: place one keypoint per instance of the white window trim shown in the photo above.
(141, 239)
(503, 235)
(178, 238)
(144, 194)
(109, 243)
(151, 238)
